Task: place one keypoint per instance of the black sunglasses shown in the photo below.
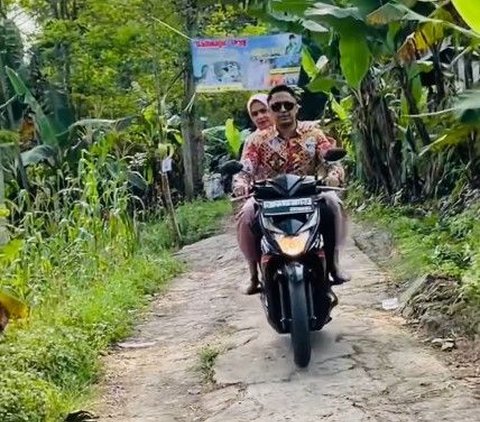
(287, 105)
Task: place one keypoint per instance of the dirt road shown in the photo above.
(365, 365)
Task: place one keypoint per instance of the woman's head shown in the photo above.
(257, 107)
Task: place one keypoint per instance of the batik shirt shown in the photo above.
(268, 155)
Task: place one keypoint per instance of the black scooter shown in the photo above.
(296, 293)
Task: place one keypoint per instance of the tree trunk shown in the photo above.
(5, 92)
(413, 109)
(439, 79)
(167, 197)
(3, 221)
(188, 131)
(22, 171)
(2, 184)
(188, 154)
(193, 148)
(380, 153)
(468, 71)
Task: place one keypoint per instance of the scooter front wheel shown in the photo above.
(299, 326)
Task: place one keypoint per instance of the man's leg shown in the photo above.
(333, 229)
(249, 243)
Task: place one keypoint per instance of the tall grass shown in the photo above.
(428, 240)
(197, 221)
(77, 259)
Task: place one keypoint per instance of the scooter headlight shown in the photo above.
(292, 245)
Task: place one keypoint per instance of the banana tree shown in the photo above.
(55, 144)
(464, 128)
(163, 136)
(418, 58)
(469, 12)
(43, 124)
(223, 143)
(365, 48)
(350, 46)
(11, 55)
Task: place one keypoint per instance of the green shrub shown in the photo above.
(26, 398)
(197, 220)
(85, 296)
(427, 240)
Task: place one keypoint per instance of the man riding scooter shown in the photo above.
(289, 148)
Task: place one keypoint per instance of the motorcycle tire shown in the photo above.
(300, 324)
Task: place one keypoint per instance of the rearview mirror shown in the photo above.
(335, 154)
(231, 167)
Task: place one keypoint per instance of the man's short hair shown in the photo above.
(281, 88)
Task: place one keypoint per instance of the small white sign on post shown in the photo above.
(166, 165)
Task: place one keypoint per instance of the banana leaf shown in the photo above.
(39, 154)
(45, 128)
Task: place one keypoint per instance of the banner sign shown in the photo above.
(246, 63)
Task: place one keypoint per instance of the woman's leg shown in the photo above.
(249, 243)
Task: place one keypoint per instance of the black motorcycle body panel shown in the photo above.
(287, 207)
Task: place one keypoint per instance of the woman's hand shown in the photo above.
(335, 177)
(240, 190)
(309, 125)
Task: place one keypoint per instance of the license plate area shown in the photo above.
(288, 207)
